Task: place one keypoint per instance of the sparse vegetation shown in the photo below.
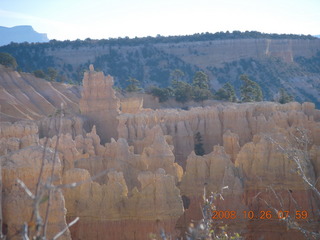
(250, 90)
(177, 75)
(200, 94)
(140, 58)
(50, 74)
(226, 93)
(39, 74)
(284, 97)
(198, 144)
(8, 60)
(162, 93)
(296, 149)
(201, 80)
(133, 85)
(182, 91)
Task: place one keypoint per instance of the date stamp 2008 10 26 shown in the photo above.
(263, 215)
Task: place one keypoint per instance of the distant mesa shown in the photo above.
(21, 34)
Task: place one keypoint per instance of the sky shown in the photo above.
(97, 19)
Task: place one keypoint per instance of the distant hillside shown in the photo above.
(21, 34)
(274, 61)
(23, 96)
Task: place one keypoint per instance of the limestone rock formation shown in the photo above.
(231, 144)
(149, 178)
(157, 197)
(155, 203)
(118, 155)
(212, 175)
(136, 188)
(315, 159)
(89, 143)
(63, 124)
(264, 163)
(158, 193)
(91, 199)
(67, 149)
(273, 180)
(23, 96)
(131, 105)
(245, 120)
(157, 153)
(215, 171)
(18, 129)
(17, 205)
(99, 104)
(18, 135)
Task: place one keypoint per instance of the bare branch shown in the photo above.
(277, 197)
(296, 152)
(292, 154)
(25, 232)
(25, 188)
(52, 174)
(66, 228)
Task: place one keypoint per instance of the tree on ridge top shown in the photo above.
(250, 90)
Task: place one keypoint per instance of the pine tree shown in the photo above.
(177, 75)
(198, 145)
(250, 90)
(182, 91)
(201, 80)
(133, 85)
(200, 87)
(199, 94)
(226, 93)
(163, 94)
(52, 74)
(8, 60)
(230, 92)
(285, 97)
(39, 73)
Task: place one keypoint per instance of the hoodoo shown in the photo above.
(99, 103)
(137, 174)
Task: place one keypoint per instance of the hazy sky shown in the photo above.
(72, 19)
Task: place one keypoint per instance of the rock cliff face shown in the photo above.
(143, 187)
(245, 120)
(272, 180)
(15, 136)
(23, 96)
(242, 130)
(138, 191)
(149, 178)
(131, 105)
(215, 171)
(17, 205)
(221, 51)
(113, 210)
(263, 178)
(99, 103)
(72, 124)
(231, 144)
(212, 173)
(273, 62)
